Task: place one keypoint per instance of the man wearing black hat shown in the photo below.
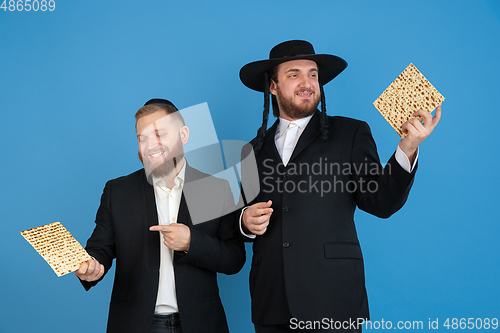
(307, 267)
(170, 228)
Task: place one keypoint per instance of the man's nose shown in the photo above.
(306, 82)
(151, 143)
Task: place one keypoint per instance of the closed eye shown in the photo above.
(161, 134)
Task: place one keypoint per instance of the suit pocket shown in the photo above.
(343, 251)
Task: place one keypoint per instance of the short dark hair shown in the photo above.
(152, 108)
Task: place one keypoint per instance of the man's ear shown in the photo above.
(272, 87)
(184, 131)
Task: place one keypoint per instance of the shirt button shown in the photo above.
(171, 196)
(286, 244)
(173, 219)
(285, 209)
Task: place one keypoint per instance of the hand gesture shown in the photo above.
(256, 218)
(176, 236)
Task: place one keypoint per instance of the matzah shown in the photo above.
(56, 245)
(409, 93)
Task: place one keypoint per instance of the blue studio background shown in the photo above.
(71, 80)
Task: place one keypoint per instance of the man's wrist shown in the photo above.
(244, 231)
(404, 160)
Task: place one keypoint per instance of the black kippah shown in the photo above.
(160, 101)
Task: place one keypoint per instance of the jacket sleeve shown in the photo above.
(223, 252)
(250, 184)
(380, 191)
(101, 244)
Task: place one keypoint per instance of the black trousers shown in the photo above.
(166, 324)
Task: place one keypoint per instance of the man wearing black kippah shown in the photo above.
(307, 268)
(171, 228)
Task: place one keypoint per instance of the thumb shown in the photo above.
(83, 268)
(261, 205)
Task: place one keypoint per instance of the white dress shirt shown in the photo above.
(279, 140)
(283, 131)
(167, 205)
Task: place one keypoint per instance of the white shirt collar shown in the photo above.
(178, 180)
(283, 124)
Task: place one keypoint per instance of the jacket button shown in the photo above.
(286, 177)
(286, 244)
(285, 209)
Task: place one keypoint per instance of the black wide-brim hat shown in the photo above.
(329, 66)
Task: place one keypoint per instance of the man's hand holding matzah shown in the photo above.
(90, 270)
(410, 96)
(57, 246)
(417, 132)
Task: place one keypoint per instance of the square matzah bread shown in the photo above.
(56, 245)
(409, 93)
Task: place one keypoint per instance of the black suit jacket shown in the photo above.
(308, 264)
(126, 212)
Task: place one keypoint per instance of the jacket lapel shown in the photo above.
(152, 219)
(269, 144)
(183, 215)
(310, 133)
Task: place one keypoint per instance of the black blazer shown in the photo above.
(126, 212)
(308, 265)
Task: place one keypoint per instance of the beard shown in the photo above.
(166, 165)
(294, 111)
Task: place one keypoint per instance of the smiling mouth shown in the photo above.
(305, 94)
(156, 155)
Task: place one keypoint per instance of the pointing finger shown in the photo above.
(162, 228)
